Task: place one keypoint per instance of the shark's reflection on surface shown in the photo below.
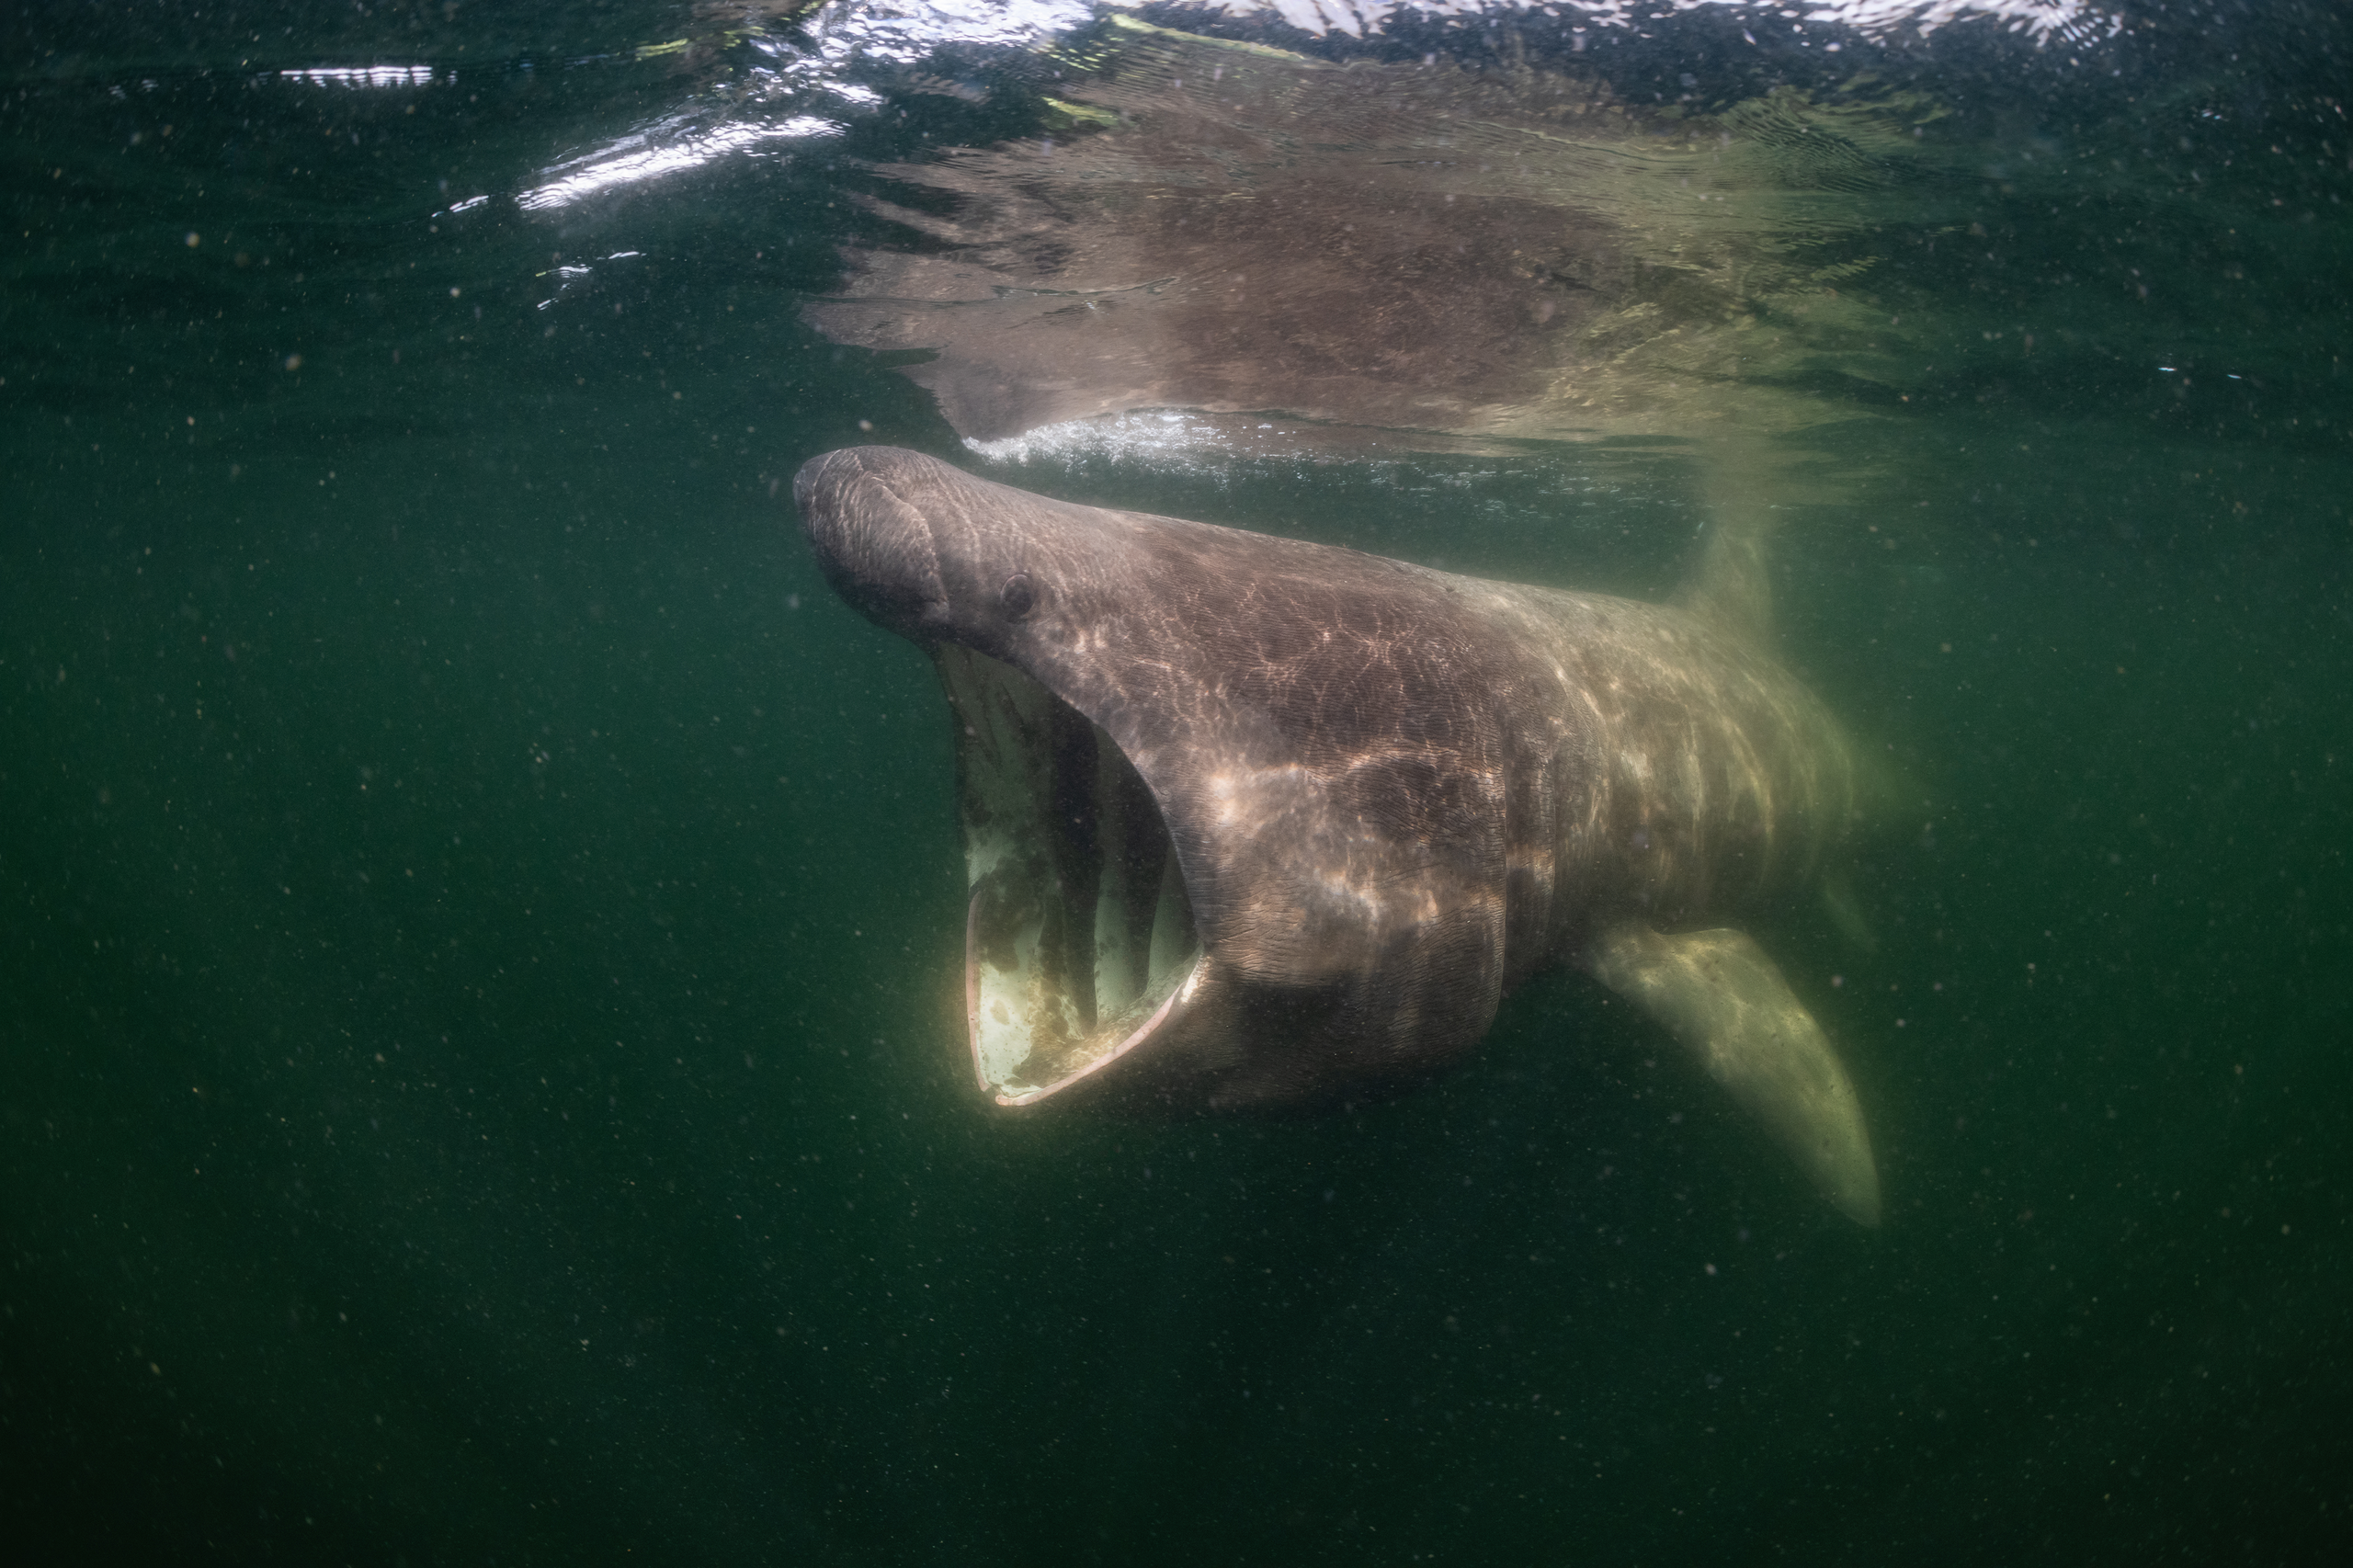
(1515, 253)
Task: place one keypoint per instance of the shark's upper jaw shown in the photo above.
(1079, 942)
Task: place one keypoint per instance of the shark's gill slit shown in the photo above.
(1079, 937)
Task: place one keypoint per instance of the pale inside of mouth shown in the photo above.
(1079, 944)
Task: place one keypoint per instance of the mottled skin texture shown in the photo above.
(1393, 792)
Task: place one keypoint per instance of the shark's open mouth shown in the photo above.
(1079, 942)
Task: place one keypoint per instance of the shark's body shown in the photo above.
(1252, 821)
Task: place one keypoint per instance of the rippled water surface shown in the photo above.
(481, 919)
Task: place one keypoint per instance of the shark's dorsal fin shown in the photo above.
(1730, 587)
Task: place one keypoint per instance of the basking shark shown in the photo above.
(1253, 822)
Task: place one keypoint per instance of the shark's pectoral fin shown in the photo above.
(1718, 993)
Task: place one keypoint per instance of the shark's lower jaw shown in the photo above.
(1079, 944)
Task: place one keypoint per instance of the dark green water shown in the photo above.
(478, 919)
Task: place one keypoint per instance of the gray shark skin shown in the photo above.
(1253, 822)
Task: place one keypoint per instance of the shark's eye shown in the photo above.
(1018, 596)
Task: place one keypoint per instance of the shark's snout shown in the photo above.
(874, 545)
